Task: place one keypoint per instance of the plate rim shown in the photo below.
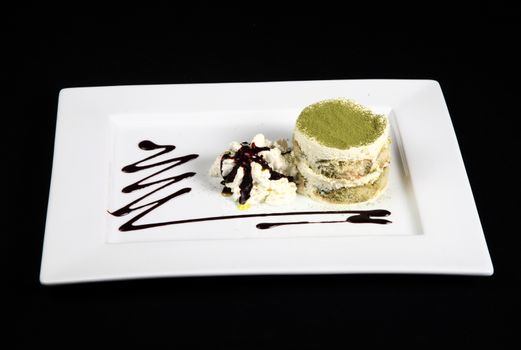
(408, 96)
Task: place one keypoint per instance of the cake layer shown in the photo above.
(344, 168)
(346, 195)
(327, 183)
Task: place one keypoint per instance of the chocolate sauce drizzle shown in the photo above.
(243, 158)
(132, 168)
(360, 216)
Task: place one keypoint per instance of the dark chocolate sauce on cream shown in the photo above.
(357, 216)
(243, 158)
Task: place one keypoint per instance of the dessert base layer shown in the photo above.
(346, 195)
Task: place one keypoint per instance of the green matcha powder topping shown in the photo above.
(341, 123)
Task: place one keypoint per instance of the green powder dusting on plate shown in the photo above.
(341, 123)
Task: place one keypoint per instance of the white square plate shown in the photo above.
(435, 226)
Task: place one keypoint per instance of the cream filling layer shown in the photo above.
(322, 182)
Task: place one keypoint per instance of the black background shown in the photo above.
(470, 51)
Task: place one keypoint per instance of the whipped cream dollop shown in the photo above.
(258, 172)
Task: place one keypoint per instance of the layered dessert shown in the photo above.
(260, 171)
(341, 151)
